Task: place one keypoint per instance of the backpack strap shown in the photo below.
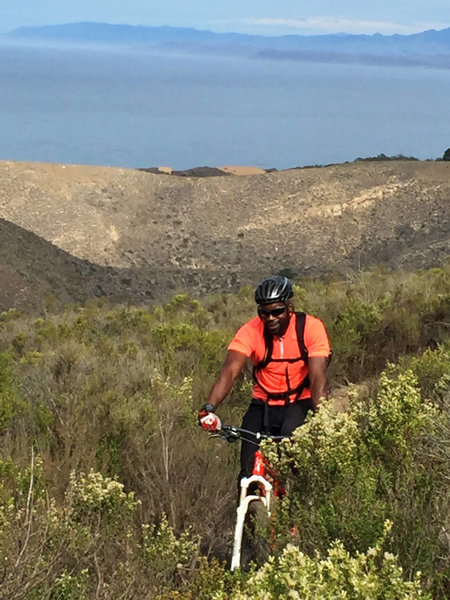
(268, 341)
(300, 325)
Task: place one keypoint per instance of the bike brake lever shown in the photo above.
(228, 436)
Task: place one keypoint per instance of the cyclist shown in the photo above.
(289, 352)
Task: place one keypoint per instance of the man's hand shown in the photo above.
(207, 419)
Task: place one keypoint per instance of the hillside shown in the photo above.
(34, 271)
(79, 232)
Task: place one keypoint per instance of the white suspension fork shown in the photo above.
(244, 502)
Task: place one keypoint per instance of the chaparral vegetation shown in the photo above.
(110, 490)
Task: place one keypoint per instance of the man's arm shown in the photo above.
(317, 367)
(233, 365)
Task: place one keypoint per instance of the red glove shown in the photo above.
(207, 419)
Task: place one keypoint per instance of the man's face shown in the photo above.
(275, 317)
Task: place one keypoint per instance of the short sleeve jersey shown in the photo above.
(274, 377)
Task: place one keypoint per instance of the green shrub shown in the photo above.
(432, 370)
(371, 575)
(349, 472)
(113, 392)
(11, 403)
(98, 496)
(88, 546)
(353, 332)
(169, 556)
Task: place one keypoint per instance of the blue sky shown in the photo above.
(248, 16)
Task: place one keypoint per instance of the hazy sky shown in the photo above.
(252, 16)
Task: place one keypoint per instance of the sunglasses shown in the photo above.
(275, 312)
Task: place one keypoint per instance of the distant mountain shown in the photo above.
(111, 34)
(428, 47)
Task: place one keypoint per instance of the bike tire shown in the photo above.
(255, 547)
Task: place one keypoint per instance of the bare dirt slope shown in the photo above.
(78, 231)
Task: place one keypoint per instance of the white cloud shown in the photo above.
(334, 24)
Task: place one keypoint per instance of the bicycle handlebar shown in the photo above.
(230, 433)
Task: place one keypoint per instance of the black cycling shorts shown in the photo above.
(282, 421)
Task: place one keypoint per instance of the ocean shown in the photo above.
(127, 108)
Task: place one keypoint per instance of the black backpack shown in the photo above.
(303, 355)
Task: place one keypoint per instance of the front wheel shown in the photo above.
(255, 536)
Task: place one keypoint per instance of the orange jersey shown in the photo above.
(249, 340)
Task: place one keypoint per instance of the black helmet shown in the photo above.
(274, 289)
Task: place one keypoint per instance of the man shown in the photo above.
(289, 352)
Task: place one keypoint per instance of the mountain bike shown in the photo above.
(255, 500)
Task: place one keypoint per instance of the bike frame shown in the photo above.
(259, 476)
